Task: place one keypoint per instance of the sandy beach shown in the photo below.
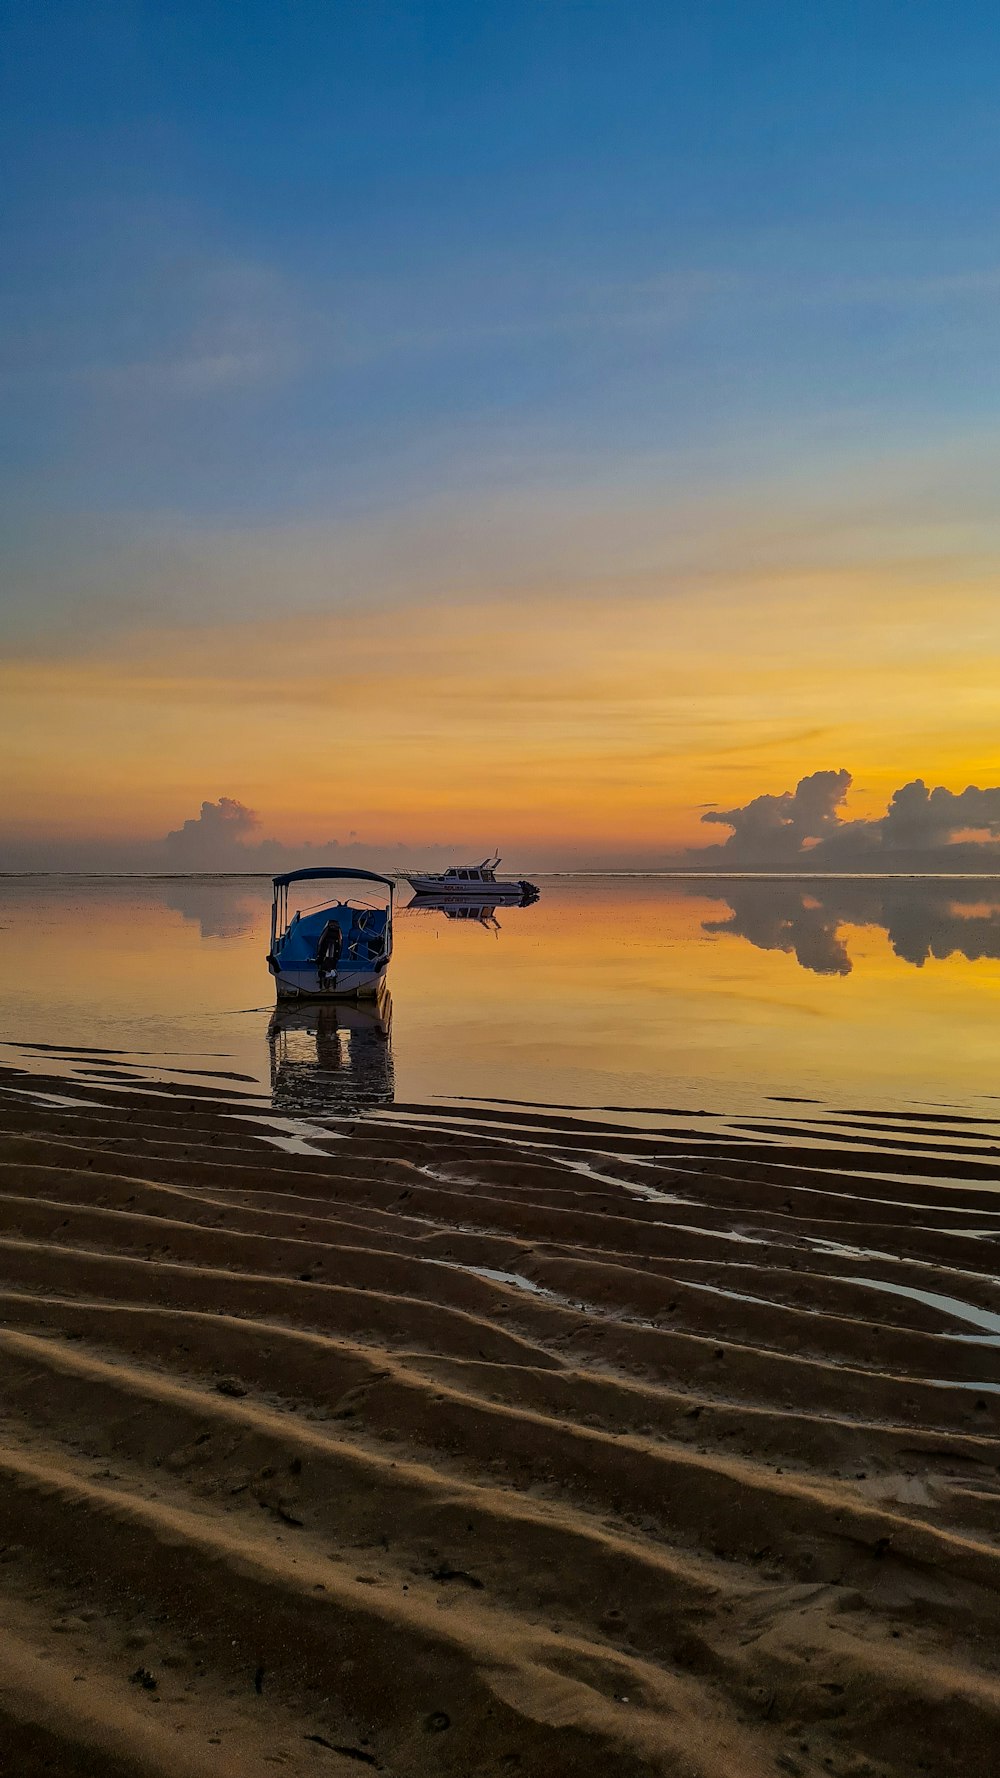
(433, 1454)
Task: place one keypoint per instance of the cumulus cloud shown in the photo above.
(918, 816)
(207, 839)
(921, 829)
(783, 826)
(226, 836)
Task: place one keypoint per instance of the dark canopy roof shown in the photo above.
(297, 876)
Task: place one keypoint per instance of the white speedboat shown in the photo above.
(334, 950)
(474, 882)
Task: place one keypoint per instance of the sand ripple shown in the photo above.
(479, 1446)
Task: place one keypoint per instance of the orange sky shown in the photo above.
(589, 722)
(571, 683)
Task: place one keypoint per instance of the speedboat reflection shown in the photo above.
(456, 910)
(332, 1057)
(481, 909)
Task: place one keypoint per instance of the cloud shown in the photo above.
(783, 826)
(921, 817)
(212, 325)
(580, 667)
(216, 833)
(226, 836)
(921, 828)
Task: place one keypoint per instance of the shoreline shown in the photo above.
(432, 1454)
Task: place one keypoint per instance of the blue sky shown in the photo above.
(262, 258)
(417, 269)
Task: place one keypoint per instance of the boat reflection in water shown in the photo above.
(481, 908)
(456, 910)
(333, 1057)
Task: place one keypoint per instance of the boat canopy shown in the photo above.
(299, 876)
(324, 873)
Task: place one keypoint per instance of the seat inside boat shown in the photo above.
(362, 934)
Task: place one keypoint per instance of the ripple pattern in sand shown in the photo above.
(430, 1450)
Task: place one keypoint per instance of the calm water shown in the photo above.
(630, 994)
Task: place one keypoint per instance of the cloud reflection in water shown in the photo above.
(812, 920)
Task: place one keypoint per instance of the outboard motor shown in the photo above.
(328, 954)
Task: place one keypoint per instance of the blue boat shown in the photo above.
(334, 950)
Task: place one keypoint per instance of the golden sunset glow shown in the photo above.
(593, 720)
(624, 997)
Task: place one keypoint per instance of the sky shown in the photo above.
(433, 427)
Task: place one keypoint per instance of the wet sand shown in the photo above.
(437, 1453)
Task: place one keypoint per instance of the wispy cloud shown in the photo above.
(900, 290)
(681, 529)
(215, 325)
(571, 661)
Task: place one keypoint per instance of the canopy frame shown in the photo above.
(319, 872)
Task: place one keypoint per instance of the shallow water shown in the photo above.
(613, 1269)
(624, 1001)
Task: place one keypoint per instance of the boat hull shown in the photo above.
(345, 984)
(441, 888)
